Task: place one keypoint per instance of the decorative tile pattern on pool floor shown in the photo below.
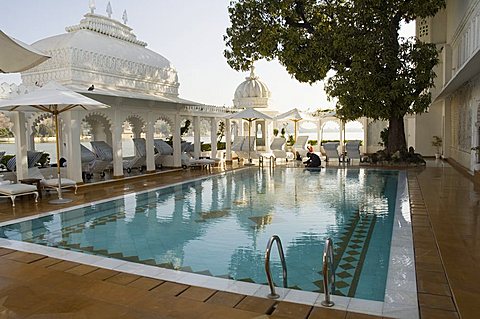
(219, 226)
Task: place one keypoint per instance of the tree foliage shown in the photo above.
(376, 73)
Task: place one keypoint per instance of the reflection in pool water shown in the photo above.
(220, 225)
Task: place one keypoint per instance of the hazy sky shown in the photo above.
(189, 33)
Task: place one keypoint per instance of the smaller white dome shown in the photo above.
(252, 92)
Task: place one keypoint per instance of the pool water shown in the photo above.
(220, 225)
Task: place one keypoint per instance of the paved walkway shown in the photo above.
(452, 212)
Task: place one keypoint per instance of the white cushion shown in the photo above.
(15, 189)
(202, 161)
(53, 182)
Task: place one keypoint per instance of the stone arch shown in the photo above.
(353, 125)
(101, 126)
(168, 120)
(329, 124)
(137, 123)
(37, 118)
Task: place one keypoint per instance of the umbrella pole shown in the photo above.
(60, 199)
(295, 130)
(249, 144)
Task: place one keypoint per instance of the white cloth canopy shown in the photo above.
(296, 116)
(51, 98)
(55, 99)
(16, 56)
(249, 114)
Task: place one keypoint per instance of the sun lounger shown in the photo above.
(163, 147)
(188, 161)
(91, 164)
(105, 153)
(331, 151)
(353, 150)
(15, 190)
(300, 145)
(2, 154)
(277, 148)
(130, 163)
(237, 145)
(141, 147)
(32, 158)
(249, 152)
(51, 183)
(166, 153)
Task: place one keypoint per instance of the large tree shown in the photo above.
(377, 73)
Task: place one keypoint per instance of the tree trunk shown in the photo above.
(396, 135)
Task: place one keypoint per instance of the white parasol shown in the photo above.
(249, 115)
(55, 99)
(16, 56)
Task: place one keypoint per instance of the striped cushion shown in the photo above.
(162, 147)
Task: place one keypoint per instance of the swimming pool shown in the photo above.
(219, 226)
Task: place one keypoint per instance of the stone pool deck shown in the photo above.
(445, 207)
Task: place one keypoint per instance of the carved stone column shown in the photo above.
(213, 137)
(73, 121)
(177, 152)
(149, 143)
(228, 141)
(197, 146)
(117, 130)
(19, 130)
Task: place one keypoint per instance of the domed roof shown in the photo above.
(104, 52)
(252, 92)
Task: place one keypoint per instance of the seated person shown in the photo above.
(63, 163)
(313, 160)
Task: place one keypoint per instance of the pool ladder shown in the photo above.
(275, 238)
(327, 265)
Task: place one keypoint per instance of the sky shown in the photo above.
(189, 33)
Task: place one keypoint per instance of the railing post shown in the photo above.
(273, 294)
(328, 264)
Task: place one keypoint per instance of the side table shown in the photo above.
(33, 181)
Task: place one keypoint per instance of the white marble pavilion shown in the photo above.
(140, 86)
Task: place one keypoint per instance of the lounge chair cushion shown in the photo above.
(53, 182)
(87, 155)
(17, 189)
(163, 148)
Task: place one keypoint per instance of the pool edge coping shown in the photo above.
(391, 306)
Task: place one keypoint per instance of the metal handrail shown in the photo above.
(273, 239)
(328, 264)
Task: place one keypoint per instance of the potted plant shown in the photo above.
(437, 143)
(477, 153)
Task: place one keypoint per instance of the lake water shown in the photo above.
(128, 147)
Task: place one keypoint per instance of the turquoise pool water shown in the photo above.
(220, 225)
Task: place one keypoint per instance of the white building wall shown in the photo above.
(428, 125)
(454, 115)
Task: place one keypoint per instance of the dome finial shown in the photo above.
(109, 9)
(92, 6)
(252, 74)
